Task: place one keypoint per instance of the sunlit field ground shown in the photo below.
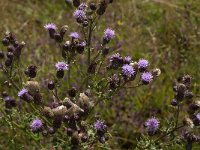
(166, 32)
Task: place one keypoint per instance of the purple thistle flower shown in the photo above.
(128, 70)
(36, 125)
(74, 35)
(61, 66)
(109, 34)
(79, 15)
(198, 117)
(82, 6)
(146, 77)
(127, 60)
(99, 125)
(22, 92)
(152, 125)
(50, 26)
(82, 44)
(143, 64)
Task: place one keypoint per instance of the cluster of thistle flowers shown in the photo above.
(72, 111)
(14, 48)
(184, 97)
(129, 70)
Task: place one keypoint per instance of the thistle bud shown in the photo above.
(66, 46)
(92, 68)
(60, 74)
(93, 6)
(58, 37)
(37, 98)
(8, 62)
(114, 82)
(51, 130)
(174, 102)
(187, 80)
(57, 122)
(181, 88)
(102, 8)
(69, 131)
(10, 55)
(44, 133)
(80, 47)
(105, 51)
(1, 55)
(51, 85)
(194, 106)
(188, 95)
(5, 42)
(9, 102)
(10, 49)
(31, 71)
(76, 3)
(75, 140)
(72, 92)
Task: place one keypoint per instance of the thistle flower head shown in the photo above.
(22, 92)
(146, 77)
(143, 64)
(50, 26)
(74, 35)
(116, 60)
(36, 125)
(109, 34)
(79, 14)
(82, 6)
(82, 44)
(152, 125)
(128, 70)
(99, 125)
(127, 60)
(61, 66)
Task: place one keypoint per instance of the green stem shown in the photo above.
(164, 135)
(177, 115)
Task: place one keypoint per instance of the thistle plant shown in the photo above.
(66, 119)
(182, 127)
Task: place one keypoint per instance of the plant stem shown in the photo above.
(164, 135)
(177, 115)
